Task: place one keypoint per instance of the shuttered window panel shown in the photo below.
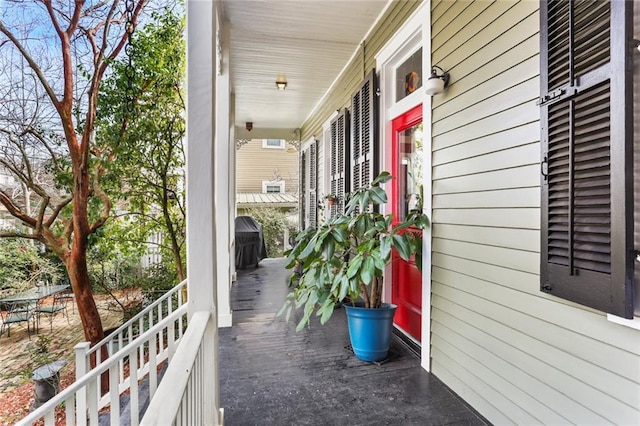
(587, 225)
(364, 137)
(303, 190)
(313, 185)
(339, 176)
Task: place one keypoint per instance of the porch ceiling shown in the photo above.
(309, 41)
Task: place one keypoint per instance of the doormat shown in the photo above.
(393, 354)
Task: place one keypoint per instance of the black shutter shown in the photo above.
(586, 251)
(339, 175)
(303, 190)
(313, 184)
(364, 134)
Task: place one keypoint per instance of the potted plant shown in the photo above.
(331, 199)
(346, 258)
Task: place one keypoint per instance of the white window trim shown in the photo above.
(266, 183)
(267, 146)
(633, 323)
(414, 33)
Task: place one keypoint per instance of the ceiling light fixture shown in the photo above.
(436, 84)
(281, 82)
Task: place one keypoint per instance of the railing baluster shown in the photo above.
(93, 395)
(133, 386)
(82, 360)
(114, 394)
(50, 418)
(153, 366)
(70, 410)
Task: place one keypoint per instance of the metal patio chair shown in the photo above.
(17, 312)
(58, 305)
(68, 296)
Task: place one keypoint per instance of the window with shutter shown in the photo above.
(339, 175)
(364, 137)
(303, 189)
(587, 251)
(313, 184)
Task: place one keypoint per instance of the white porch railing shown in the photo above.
(155, 333)
(186, 395)
(145, 319)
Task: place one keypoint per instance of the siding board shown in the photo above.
(463, 11)
(506, 159)
(500, 179)
(500, 256)
(472, 75)
(517, 116)
(518, 197)
(473, 110)
(524, 17)
(497, 86)
(505, 287)
(527, 133)
(518, 239)
(483, 332)
(605, 392)
(468, 21)
(476, 358)
(522, 217)
(465, 372)
(447, 373)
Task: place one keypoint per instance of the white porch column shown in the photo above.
(232, 186)
(201, 225)
(223, 178)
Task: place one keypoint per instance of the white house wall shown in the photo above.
(515, 354)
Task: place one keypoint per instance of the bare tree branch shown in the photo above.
(15, 211)
(32, 64)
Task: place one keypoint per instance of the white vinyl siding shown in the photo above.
(255, 164)
(515, 354)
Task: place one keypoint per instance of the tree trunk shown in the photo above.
(79, 275)
(77, 260)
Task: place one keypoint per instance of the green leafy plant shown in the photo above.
(39, 355)
(274, 222)
(347, 256)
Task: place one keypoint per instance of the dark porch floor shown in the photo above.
(271, 375)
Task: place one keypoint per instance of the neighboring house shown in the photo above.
(267, 176)
(267, 166)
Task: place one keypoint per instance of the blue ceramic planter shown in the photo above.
(370, 331)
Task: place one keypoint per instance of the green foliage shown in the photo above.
(146, 135)
(274, 222)
(22, 265)
(347, 256)
(39, 355)
(157, 280)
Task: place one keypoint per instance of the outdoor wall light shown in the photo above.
(281, 82)
(436, 84)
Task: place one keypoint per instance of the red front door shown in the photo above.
(407, 195)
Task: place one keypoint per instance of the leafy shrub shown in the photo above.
(274, 222)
